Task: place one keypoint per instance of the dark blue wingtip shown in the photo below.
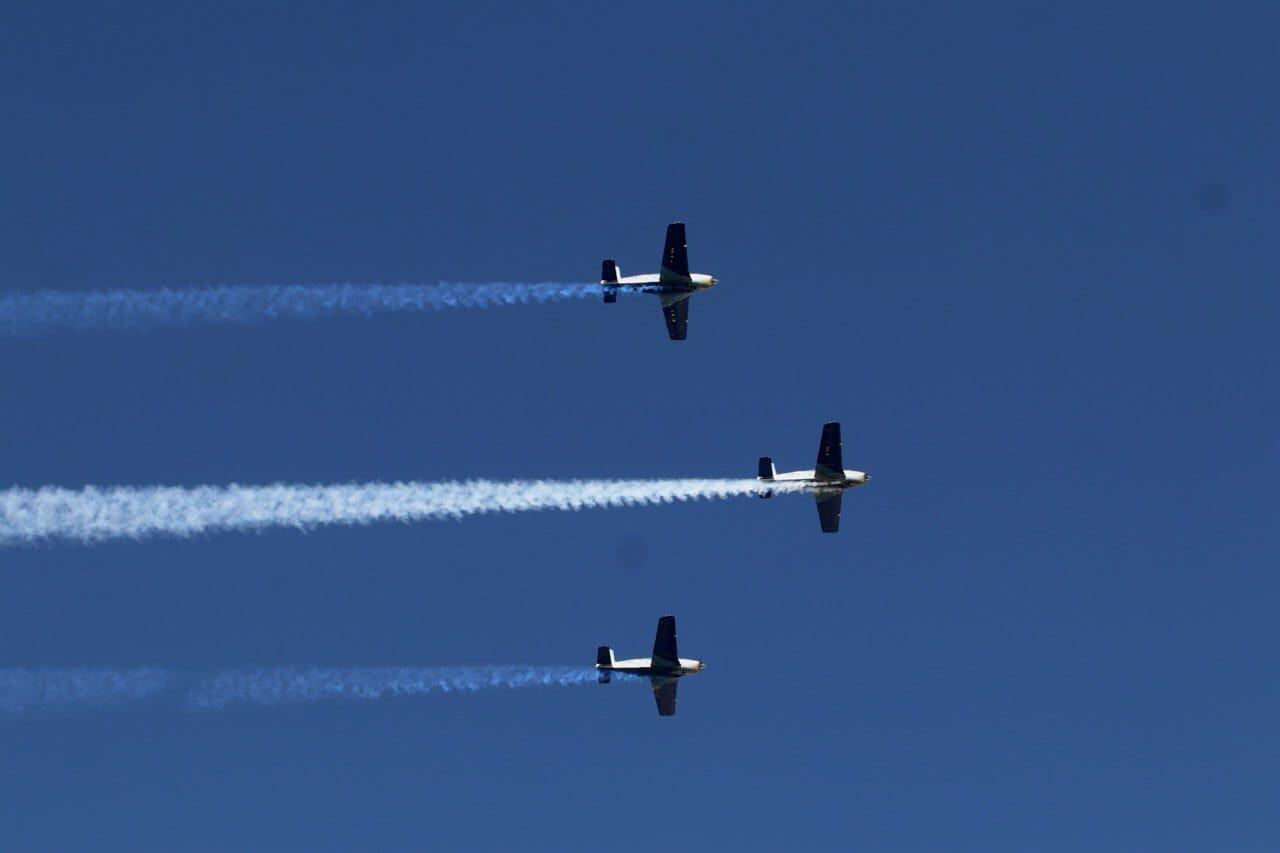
(664, 643)
(830, 464)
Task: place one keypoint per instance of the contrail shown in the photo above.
(44, 311)
(309, 684)
(59, 690)
(30, 516)
(62, 689)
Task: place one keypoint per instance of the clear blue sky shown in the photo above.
(1027, 256)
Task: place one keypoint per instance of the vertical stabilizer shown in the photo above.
(609, 274)
(765, 471)
(604, 658)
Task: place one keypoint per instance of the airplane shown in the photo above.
(827, 480)
(663, 668)
(673, 285)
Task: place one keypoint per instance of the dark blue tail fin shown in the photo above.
(608, 276)
(604, 657)
(765, 471)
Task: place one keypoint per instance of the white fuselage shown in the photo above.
(653, 283)
(644, 666)
(850, 480)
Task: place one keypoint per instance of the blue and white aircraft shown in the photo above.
(827, 480)
(674, 284)
(662, 669)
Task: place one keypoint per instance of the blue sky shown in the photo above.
(1025, 255)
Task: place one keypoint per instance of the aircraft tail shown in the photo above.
(609, 274)
(604, 657)
(765, 471)
(830, 465)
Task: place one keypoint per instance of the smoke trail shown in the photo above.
(292, 684)
(30, 516)
(24, 314)
(62, 689)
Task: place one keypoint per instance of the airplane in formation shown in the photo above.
(673, 284)
(827, 480)
(662, 670)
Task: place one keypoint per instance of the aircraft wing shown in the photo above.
(677, 316)
(830, 464)
(664, 691)
(829, 510)
(665, 653)
(675, 255)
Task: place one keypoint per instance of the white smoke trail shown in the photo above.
(294, 684)
(29, 516)
(59, 690)
(32, 313)
(62, 689)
